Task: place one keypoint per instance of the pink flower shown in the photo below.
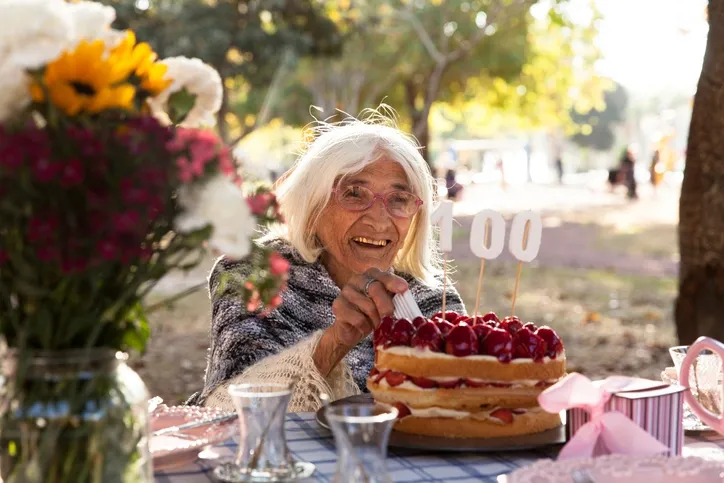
(155, 207)
(278, 265)
(154, 176)
(47, 253)
(42, 229)
(127, 221)
(132, 194)
(72, 265)
(107, 249)
(253, 304)
(71, 174)
(275, 302)
(225, 163)
(203, 151)
(259, 203)
(11, 156)
(185, 170)
(44, 169)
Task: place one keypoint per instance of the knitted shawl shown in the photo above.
(283, 341)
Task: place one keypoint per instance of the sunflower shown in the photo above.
(141, 61)
(85, 80)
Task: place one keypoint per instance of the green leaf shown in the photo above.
(137, 331)
(180, 104)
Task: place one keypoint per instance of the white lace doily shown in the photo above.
(622, 468)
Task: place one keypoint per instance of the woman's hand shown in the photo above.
(356, 315)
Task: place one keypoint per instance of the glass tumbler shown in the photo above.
(263, 455)
(361, 433)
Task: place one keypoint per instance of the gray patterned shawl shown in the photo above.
(240, 339)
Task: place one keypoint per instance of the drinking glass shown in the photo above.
(263, 455)
(361, 433)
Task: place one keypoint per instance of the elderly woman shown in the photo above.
(357, 209)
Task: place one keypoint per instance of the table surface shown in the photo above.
(309, 442)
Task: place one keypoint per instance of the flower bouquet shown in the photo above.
(107, 183)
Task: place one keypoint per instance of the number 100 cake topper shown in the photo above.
(487, 240)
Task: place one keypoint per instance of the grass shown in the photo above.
(655, 241)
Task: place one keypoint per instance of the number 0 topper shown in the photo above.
(524, 243)
(487, 239)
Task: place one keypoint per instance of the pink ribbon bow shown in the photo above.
(612, 429)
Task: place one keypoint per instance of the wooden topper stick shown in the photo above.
(482, 270)
(520, 267)
(444, 283)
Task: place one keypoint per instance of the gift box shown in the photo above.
(619, 415)
(658, 410)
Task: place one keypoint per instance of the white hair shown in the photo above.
(346, 148)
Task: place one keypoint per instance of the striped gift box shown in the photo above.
(659, 411)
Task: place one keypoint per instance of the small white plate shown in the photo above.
(179, 449)
(620, 469)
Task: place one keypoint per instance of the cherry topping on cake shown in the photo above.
(418, 321)
(428, 336)
(482, 331)
(452, 384)
(528, 345)
(531, 327)
(465, 318)
(554, 345)
(498, 343)
(403, 410)
(452, 317)
(504, 415)
(462, 341)
(512, 324)
(383, 330)
(444, 326)
(373, 372)
(423, 382)
(394, 378)
(401, 332)
(491, 317)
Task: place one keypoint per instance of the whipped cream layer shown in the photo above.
(428, 354)
(435, 412)
(518, 384)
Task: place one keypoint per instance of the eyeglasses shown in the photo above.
(400, 204)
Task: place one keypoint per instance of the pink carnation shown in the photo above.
(278, 265)
(259, 203)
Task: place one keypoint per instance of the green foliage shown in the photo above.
(246, 41)
(596, 127)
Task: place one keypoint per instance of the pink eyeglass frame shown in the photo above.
(383, 198)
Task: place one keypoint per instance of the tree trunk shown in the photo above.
(700, 304)
(421, 129)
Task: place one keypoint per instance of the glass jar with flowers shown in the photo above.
(107, 183)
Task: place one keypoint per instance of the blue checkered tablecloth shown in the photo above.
(309, 442)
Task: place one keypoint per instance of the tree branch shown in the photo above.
(423, 35)
(469, 44)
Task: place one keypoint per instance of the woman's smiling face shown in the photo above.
(355, 241)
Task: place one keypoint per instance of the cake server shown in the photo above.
(405, 306)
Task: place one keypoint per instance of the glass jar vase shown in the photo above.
(73, 416)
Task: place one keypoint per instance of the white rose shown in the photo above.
(220, 203)
(34, 32)
(14, 93)
(197, 78)
(91, 20)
